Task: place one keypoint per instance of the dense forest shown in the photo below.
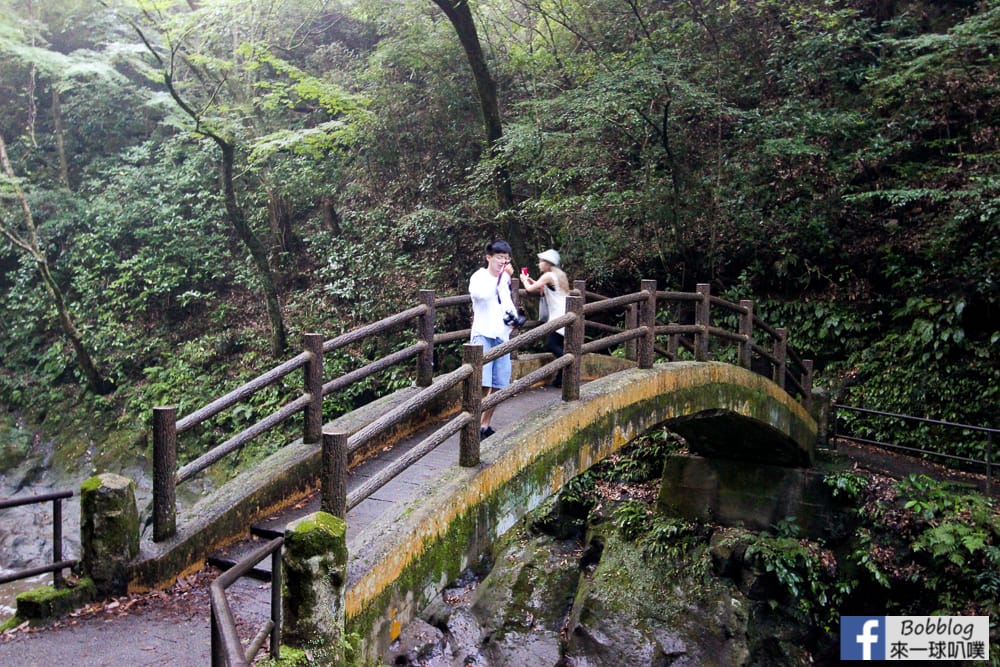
(188, 187)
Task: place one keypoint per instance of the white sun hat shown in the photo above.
(551, 256)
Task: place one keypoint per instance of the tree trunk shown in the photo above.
(281, 222)
(60, 143)
(460, 15)
(95, 381)
(331, 218)
(258, 253)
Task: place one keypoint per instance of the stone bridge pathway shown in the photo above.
(397, 493)
(173, 627)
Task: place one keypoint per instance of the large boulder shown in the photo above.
(604, 600)
(643, 608)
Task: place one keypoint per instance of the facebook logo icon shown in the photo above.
(862, 637)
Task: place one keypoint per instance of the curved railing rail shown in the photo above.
(227, 648)
(636, 335)
(58, 564)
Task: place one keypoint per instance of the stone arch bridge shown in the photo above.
(721, 410)
(419, 519)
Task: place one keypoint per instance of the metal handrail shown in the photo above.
(990, 432)
(58, 564)
(227, 649)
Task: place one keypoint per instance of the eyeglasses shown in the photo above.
(503, 259)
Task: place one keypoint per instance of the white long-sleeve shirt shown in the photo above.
(491, 302)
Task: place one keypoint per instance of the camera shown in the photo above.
(514, 320)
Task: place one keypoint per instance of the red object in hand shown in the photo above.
(524, 270)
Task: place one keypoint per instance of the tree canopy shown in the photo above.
(209, 178)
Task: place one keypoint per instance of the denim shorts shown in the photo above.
(496, 374)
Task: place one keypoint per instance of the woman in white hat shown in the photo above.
(554, 288)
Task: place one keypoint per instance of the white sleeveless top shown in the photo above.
(555, 303)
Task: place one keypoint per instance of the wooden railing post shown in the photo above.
(746, 329)
(631, 323)
(472, 403)
(647, 318)
(581, 287)
(703, 318)
(333, 474)
(807, 383)
(781, 357)
(164, 471)
(312, 426)
(573, 344)
(425, 362)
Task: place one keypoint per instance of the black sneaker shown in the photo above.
(485, 432)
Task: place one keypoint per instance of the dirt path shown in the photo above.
(886, 462)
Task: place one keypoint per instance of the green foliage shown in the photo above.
(846, 485)
(824, 331)
(656, 535)
(920, 547)
(15, 442)
(799, 567)
(957, 543)
(642, 459)
(633, 519)
(580, 490)
(837, 164)
(932, 368)
(867, 558)
(347, 653)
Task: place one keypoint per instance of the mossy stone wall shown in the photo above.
(740, 494)
(47, 602)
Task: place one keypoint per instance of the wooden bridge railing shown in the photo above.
(637, 334)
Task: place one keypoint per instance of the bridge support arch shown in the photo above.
(401, 562)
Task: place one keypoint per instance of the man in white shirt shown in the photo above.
(492, 311)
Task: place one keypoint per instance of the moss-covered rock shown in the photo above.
(643, 607)
(314, 562)
(47, 602)
(614, 600)
(109, 531)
